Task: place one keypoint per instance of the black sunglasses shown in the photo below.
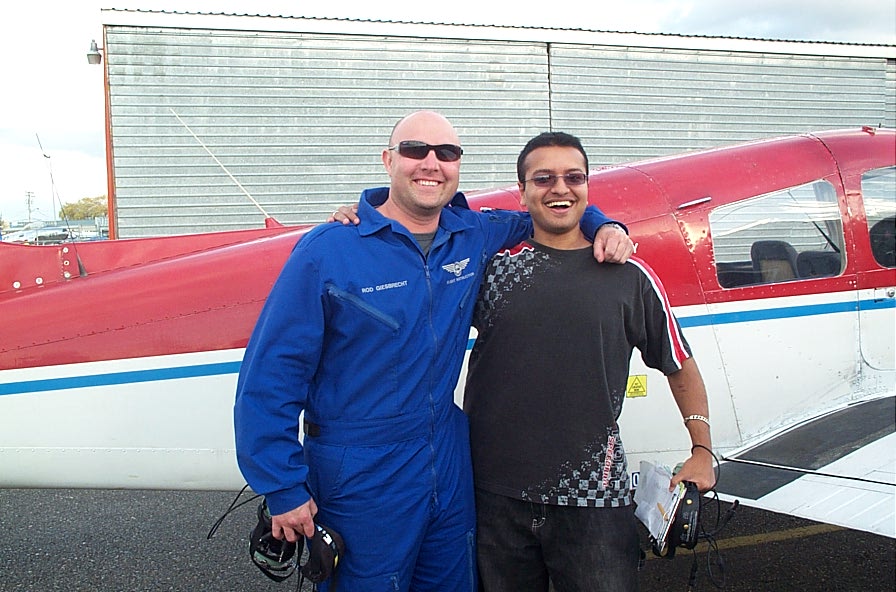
(419, 150)
(551, 180)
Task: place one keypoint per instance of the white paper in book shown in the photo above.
(656, 505)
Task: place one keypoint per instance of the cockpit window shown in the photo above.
(879, 195)
(784, 236)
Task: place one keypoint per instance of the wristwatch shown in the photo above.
(616, 225)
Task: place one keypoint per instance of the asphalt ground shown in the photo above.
(135, 540)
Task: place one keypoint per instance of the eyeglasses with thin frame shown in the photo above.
(547, 180)
(419, 150)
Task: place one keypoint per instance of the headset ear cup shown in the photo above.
(324, 550)
(275, 558)
(689, 516)
(316, 568)
(685, 527)
(685, 524)
(277, 571)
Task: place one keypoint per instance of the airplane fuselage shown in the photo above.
(119, 359)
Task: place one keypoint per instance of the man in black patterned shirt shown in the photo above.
(545, 386)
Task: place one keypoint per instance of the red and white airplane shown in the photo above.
(118, 359)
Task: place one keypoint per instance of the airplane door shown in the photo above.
(783, 303)
(877, 280)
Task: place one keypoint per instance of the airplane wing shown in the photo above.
(839, 468)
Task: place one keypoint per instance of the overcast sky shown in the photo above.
(52, 97)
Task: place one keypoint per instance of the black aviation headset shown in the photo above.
(684, 531)
(687, 530)
(277, 559)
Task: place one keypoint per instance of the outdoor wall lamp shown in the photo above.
(94, 56)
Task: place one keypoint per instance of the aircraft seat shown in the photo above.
(813, 264)
(773, 260)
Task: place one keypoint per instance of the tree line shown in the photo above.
(86, 208)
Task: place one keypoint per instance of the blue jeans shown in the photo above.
(524, 546)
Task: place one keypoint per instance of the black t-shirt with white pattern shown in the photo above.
(548, 373)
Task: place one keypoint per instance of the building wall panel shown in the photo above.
(630, 103)
(299, 119)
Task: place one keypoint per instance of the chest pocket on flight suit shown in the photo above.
(363, 306)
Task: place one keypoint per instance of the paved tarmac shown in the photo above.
(134, 540)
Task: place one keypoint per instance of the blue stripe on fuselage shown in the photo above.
(116, 378)
(786, 312)
(222, 368)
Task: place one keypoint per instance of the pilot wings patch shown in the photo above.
(457, 267)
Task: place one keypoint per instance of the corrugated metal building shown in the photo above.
(298, 109)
